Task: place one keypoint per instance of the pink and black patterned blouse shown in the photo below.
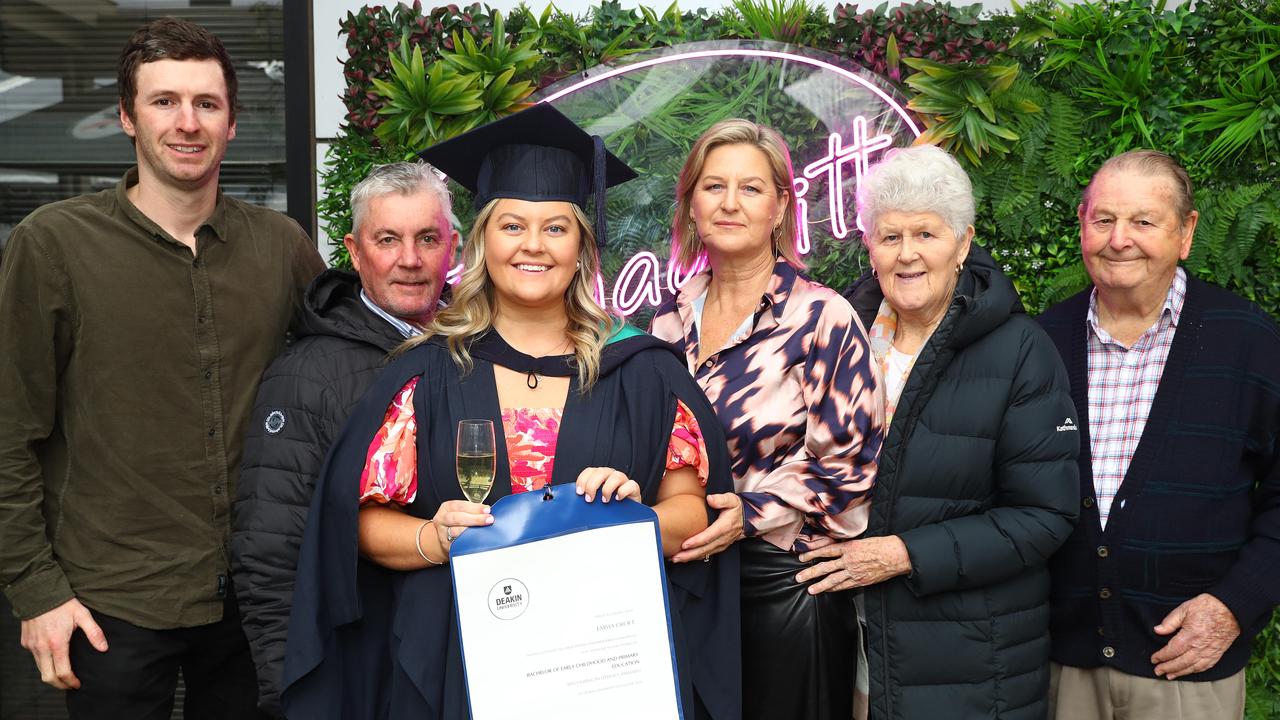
(797, 391)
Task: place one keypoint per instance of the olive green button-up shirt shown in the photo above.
(128, 369)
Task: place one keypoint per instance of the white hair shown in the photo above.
(404, 178)
(917, 179)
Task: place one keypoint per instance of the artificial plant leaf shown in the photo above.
(1002, 77)
(979, 99)
(931, 68)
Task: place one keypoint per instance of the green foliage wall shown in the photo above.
(1031, 102)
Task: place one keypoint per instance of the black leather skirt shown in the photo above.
(799, 651)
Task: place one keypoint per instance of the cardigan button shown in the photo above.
(1103, 551)
(1087, 502)
(1105, 593)
(1108, 652)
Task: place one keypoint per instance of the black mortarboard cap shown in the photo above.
(536, 154)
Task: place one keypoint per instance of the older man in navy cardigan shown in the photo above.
(1175, 564)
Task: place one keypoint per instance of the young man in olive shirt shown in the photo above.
(134, 326)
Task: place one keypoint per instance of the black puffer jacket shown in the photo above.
(305, 396)
(978, 477)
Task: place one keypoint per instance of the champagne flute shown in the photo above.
(476, 457)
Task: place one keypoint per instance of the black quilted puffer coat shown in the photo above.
(305, 396)
(978, 477)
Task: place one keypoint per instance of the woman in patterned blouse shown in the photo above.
(785, 363)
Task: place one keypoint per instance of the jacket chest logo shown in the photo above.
(274, 422)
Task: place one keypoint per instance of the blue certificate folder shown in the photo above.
(559, 511)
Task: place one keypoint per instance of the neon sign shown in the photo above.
(832, 165)
(637, 283)
(850, 148)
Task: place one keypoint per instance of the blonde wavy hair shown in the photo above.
(470, 311)
(688, 246)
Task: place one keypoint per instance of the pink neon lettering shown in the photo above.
(677, 278)
(629, 296)
(832, 165)
(800, 186)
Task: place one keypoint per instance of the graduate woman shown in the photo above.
(575, 398)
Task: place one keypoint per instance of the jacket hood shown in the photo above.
(332, 306)
(985, 296)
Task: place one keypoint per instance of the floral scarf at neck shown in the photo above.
(892, 368)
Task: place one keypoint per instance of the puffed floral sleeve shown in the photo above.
(390, 472)
(687, 448)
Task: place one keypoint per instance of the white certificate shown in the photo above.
(570, 626)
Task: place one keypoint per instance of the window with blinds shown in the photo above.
(59, 131)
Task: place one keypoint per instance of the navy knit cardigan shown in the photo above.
(1198, 511)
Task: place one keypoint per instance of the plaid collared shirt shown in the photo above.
(1122, 385)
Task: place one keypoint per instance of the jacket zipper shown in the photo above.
(956, 303)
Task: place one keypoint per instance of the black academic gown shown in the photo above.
(367, 642)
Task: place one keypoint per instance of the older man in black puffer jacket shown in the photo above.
(402, 247)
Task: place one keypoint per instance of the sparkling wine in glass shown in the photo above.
(476, 456)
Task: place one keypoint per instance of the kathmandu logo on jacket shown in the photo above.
(1067, 426)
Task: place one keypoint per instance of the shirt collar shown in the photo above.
(784, 278)
(775, 294)
(1172, 308)
(217, 221)
(406, 329)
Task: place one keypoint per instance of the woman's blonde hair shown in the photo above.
(734, 131)
(470, 311)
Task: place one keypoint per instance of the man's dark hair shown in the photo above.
(170, 38)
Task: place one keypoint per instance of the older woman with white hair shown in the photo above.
(977, 481)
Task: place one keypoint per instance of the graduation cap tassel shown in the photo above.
(598, 182)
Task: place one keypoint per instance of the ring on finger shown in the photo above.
(448, 533)
(706, 558)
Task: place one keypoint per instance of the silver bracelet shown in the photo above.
(417, 542)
